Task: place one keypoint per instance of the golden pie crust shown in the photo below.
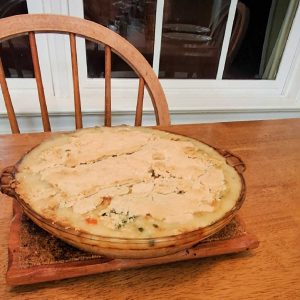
(127, 182)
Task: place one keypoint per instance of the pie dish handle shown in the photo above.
(233, 160)
(7, 181)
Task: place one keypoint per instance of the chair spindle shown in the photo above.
(77, 104)
(39, 82)
(107, 120)
(7, 100)
(139, 104)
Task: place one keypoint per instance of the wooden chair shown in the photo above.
(31, 24)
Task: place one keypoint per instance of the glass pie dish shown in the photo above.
(127, 247)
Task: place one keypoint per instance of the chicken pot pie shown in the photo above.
(125, 182)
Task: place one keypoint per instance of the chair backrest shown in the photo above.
(73, 26)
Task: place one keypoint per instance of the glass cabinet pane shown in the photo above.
(192, 38)
(259, 35)
(132, 19)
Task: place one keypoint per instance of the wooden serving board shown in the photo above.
(36, 256)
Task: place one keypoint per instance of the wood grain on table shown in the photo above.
(271, 151)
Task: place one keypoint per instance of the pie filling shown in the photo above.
(127, 182)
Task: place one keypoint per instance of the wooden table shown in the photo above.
(271, 151)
